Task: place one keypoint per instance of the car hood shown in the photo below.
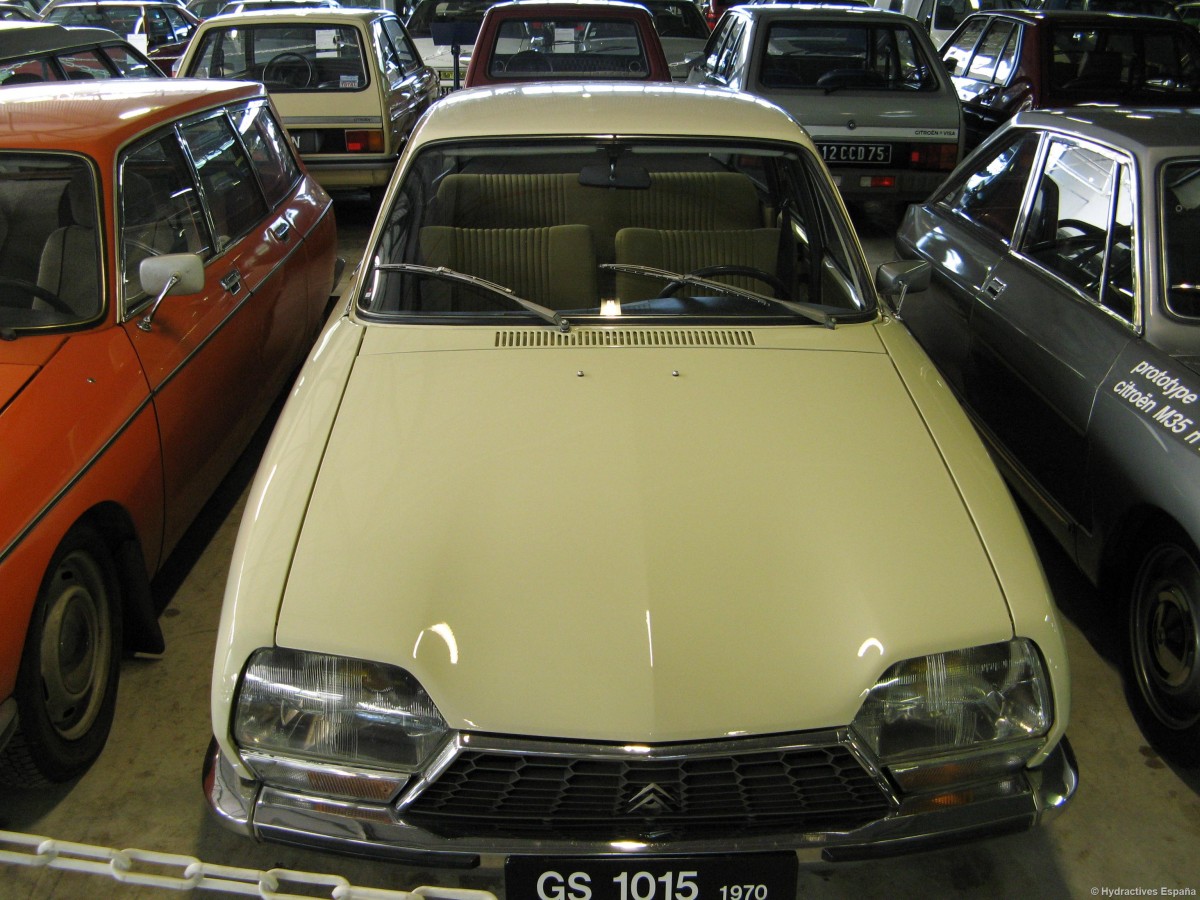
(636, 543)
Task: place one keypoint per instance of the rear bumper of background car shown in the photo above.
(865, 184)
(917, 823)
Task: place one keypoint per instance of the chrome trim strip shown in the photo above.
(1016, 803)
(288, 121)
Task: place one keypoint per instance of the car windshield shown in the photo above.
(1124, 61)
(1181, 236)
(49, 242)
(306, 56)
(608, 228)
(444, 12)
(568, 48)
(837, 56)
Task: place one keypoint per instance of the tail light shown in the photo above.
(364, 141)
(933, 157)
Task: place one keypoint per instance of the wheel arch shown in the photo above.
(139, 614)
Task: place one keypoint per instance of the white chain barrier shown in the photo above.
(176, 872)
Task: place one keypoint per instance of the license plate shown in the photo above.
(769, 876)
(857, 154)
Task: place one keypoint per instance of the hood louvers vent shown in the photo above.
(616, 337)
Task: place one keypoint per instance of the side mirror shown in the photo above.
(171, 273)
(896, 279)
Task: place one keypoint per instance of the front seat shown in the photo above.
(70, 262)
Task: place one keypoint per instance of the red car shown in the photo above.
(165, 265)
(159, 28)
(544, 40)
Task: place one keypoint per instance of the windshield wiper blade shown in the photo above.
(804, 310)
(550, 315)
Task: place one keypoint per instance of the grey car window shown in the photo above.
(1181, 236)
(992, 194)
(1080, 226)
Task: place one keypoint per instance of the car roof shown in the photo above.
(118, 3)
(99, 117)
(1141, 130)
(298, 13)
(818, 10)
(621, 108)
(1076, 17)
(567, 4)
(31, 38)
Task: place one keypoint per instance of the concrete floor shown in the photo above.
(1133, 829)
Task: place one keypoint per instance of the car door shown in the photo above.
(1054, 315)
(965, 232)
(983, 59)
(193, 190)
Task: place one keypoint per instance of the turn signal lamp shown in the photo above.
(364, 141)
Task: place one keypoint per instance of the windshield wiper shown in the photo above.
(537, 309)
(804, 310)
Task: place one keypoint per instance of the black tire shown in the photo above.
(67, 682)
(1164, 645)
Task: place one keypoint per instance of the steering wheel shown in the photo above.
(51, 299)
(528, 61)
(289, 70)
(779, 287)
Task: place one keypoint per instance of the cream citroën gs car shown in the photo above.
(617, 535)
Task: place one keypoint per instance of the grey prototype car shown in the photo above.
(1065, 312)
(867, 84)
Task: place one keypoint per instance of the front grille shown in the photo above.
(543, 796)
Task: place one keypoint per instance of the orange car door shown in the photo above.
(203, 353)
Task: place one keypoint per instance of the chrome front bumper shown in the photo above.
(916, 823)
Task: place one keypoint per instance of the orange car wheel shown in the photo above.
(67, 684)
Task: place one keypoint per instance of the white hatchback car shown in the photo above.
(616, 533)
(348, 83)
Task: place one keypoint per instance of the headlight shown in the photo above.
(345, 727)
(976, 713)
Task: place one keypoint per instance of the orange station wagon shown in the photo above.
(165, 265)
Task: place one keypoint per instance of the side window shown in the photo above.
(731, 53)
(226, 177)
(1180, 187)
(389, 63)
(84, 65)
(160, 210)
(987, 57)
(712, 50)
(270, 152)
(125, 62)
(991, 195)
(405, 52)
(1081, 224)
(158, 29)
(957, 55)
